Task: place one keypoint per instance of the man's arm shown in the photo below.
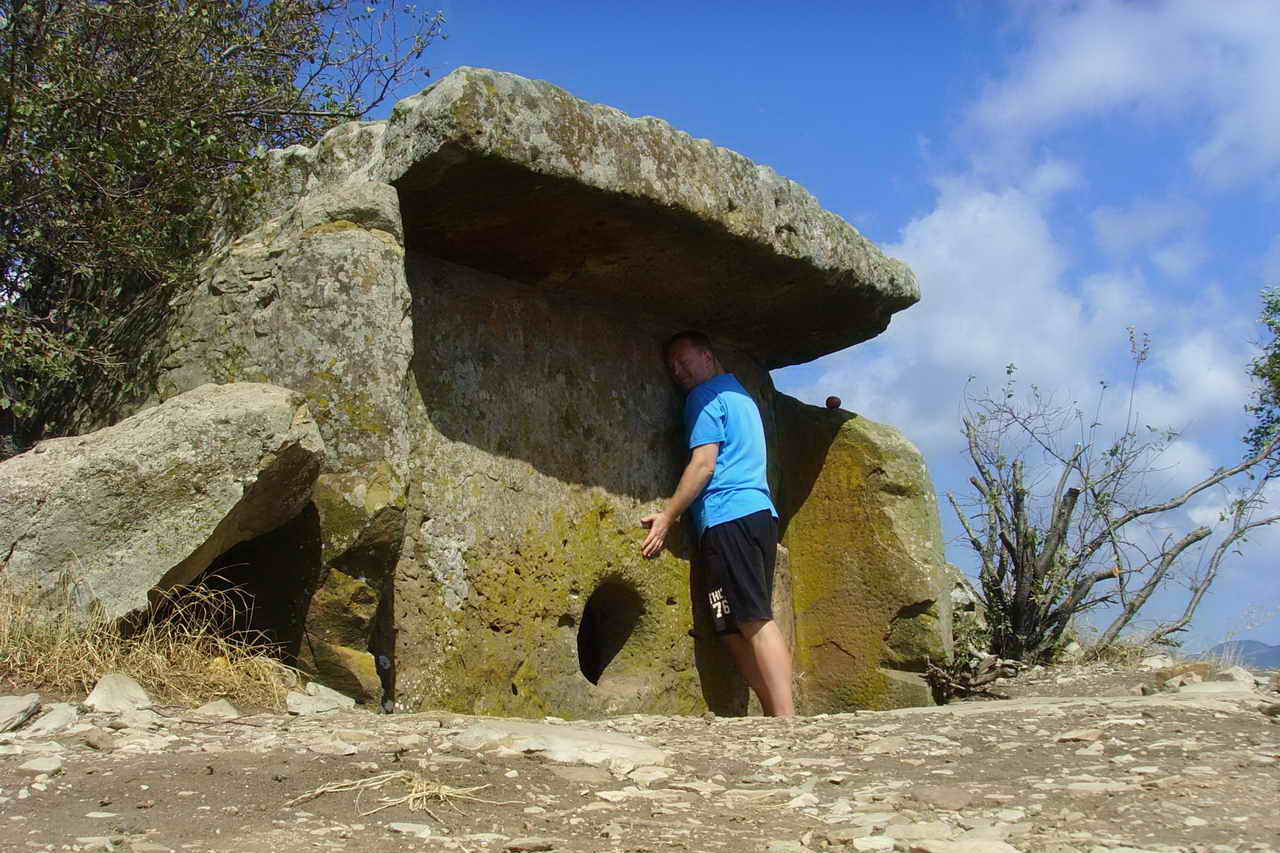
(702, 464)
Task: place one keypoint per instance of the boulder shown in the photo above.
(347, 670)
(151, 501)
(872, 591)
(471, 297)
(1238, 674)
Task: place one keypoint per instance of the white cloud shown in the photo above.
(1199, 381)
(1120, 231)
(990, 273)
(1157, 61)
(1181, 259)
(1002, 283)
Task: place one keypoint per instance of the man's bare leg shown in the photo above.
(765, 663)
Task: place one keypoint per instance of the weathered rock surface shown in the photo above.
(471, 297)
(872, 590)
(151, 501)
(566, 744)
(16, 710)
(1169, 773)
(118, 693)
(318, 699)
(633, 214)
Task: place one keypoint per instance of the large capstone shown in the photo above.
(472, 297)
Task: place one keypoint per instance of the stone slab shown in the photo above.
(55, 718)
(118, 693)
(152, 500)
(16, 710)
(520, 178)
(565, 744)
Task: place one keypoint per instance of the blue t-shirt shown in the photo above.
(720, 411)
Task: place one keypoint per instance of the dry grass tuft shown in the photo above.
(419, 792)
(180, 652)
(1124, 652)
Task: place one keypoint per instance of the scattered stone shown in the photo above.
(99, 739)
(417, 830)
(529, 845)
(565, 744)
(143, 719)
(220, 708)
(923, 830)
(586, 775)
(16, 710)
(48, 765)
(1217, 687)
(801, 801)
(333, 747)
(885, 745)
(317, 699)
(117, 693)
(1081, 736)
(958, 846)
(946, 797)
(1237, 674)
(787, 846)
(649, 774)
(56, 717)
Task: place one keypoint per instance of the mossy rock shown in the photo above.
(867, 566)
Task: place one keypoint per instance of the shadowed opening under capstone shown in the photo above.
(610, 616)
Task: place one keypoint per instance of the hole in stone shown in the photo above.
(257, 592)
(566, 620)
(610, 616)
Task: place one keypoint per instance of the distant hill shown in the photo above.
(1250, 653)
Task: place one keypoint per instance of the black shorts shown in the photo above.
(737, 561)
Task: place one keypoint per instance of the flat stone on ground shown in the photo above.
(56, 717)
(565, 744)
(48, 765)
(16, 710)
(118, 693)
(221, 708)
(948, 797)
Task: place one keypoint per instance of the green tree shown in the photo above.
(119, 121)
(1063, 518)
(1265, 370)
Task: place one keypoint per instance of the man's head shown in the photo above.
(690, 359)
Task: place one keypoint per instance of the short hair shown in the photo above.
(693, 337)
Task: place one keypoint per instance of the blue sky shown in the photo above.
(1054, 172)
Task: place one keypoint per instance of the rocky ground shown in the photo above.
(1075, 762)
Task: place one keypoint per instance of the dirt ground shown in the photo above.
(1074, 762)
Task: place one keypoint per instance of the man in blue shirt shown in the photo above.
(725, 490)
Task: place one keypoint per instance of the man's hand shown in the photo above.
(702, 464)
(659, 524)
